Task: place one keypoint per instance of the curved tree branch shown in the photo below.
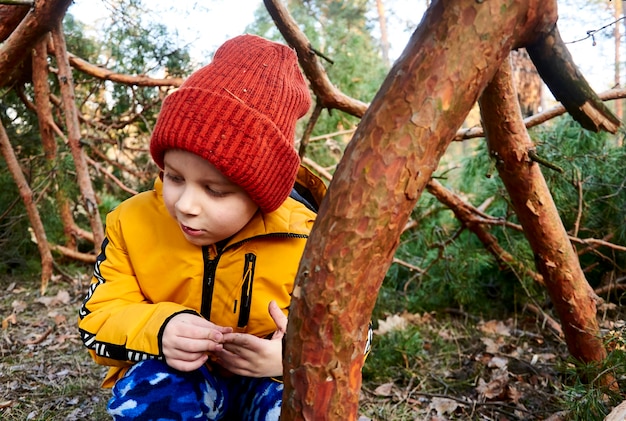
(105, 74)
(556, 67)
(328, 95)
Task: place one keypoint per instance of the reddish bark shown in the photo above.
(44, 117)
(556, 259)
(106, 74)
(31, 209)
(40, 20)
(10, 17)
(73, 136)
(391, 157)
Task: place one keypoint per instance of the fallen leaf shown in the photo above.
(496, 386)
(18, 306)
(492, 346)
(384, 389)
(514, 394)
(498, 362)
(11, 319)
(495, 327)
(393, 322)
(58, 318)
(62, 298)
(618, 413)
(443, 405)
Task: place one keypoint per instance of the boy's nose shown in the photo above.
(187, 203)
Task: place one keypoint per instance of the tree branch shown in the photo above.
(105, 74)
(42, 18)
(556, 67)
(328, 95)
(540, 118)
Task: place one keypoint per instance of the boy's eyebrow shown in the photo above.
(221, 181)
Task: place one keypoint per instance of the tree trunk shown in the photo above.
(386, 166)
(384, 37)
(44, 117)
(73, 136)
(555, 256)
(617, 35)
(33, 214)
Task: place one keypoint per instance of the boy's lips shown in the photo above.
(190, 231)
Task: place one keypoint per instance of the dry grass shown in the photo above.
(423, 367)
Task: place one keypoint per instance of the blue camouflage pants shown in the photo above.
(151, 390)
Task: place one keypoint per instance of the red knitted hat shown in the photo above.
(239, 113)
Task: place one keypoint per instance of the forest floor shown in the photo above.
(428, 367)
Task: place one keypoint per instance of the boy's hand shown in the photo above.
(248, 355)
(187, 338)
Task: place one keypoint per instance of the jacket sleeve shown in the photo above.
(117, 323)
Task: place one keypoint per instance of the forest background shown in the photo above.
(442, 285)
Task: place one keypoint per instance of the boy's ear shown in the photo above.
(161, 175)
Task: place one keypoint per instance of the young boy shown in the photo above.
(190, 292)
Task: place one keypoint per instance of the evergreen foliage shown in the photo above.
(117, 123)
(458, 272)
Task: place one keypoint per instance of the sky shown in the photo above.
(213, 22)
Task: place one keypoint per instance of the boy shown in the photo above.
(190, 292)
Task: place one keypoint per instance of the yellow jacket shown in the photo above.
(147, 272)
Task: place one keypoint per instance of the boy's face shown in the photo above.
(207, 206)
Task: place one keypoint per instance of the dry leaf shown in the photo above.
(393, 322)
(18, 306)
(11, 319)
(618, 413)
(498, 362)
(495, 327)
(514, 394)
(62, 298)
(496, 387)
(384, 389)
(443, 406)
(492, 347)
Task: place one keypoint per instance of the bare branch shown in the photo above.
(556, 67)
(40, 19)
(329, 96)
(105, 74)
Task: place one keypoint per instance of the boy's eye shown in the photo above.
(215, 193)
(174, 178)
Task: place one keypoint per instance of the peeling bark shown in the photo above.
(39, 21)
(555, 256)
(386, 166)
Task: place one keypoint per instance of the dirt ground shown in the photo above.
(464, 368)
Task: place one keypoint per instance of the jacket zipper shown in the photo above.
(246, 290)
(210, 267)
